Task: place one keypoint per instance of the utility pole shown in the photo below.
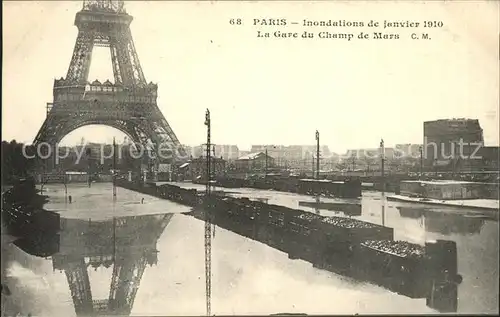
(208, 233)
(213, 164)
(435, 168)
(383, 212)
(382, 159)
(317, 154)
(470, 159)
(312, 161)
(421, 161)
(266, 164)
(214, 169)
(114, 169)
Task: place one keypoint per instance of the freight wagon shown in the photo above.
(328, 188)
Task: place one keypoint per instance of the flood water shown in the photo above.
(156, 254)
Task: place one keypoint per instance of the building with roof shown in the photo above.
(486, 158)
(197, 168)
(450, 140)
(227, 151)
(254, 162)
(293, 155)
(277, 152)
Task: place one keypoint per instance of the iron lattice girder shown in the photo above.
(128, 105)
(109, 29)
(115, 6)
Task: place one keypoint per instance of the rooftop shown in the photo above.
(440, 182)
(251, 156)
(320, 180)
(203, 158)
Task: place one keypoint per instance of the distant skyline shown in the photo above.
(269, 91)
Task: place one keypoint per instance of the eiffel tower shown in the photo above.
(126, 244)
(129, 104)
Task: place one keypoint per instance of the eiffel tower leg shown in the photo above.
(115, 62)
(123, 59)
(164, 133)
(127, 276)
(114, 284)
(136, 66)
(78, 71)
(141, 266)
(79, 284)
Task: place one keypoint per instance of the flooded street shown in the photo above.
(160, 253)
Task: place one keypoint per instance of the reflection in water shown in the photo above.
(40, 245)
(442, 222)
(127, 244)
(347, 209)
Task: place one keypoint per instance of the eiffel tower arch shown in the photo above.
(129, 104)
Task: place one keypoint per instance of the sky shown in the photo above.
(271, 90)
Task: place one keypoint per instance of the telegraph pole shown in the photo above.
(435, 168)
(208, 233)
(214, 169)
(208, 154)
(421, 161)
(470, 158)
(213, 163)
(114, 169)
(317, 154)
(382, 160)
(312, 161)
(265, 175)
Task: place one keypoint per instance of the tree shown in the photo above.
(15, 163)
